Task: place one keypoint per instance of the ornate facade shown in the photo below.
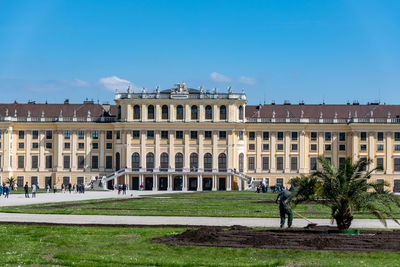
(189, 139)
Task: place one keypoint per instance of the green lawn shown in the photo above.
(33, 245)
(214, 204)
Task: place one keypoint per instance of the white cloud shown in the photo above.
(114, 82)
(79, 83)
(218, 77)
(247, 80)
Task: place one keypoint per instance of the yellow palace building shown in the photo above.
(190, 139)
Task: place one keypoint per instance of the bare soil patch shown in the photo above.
(316, 238)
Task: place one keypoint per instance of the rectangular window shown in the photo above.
(67, 134)
(21, 134)
(136, 134)
(21, 145)
(21, 162)
(279, 147)
(95, 162)
(222, 135)
(397, 136)
(67, 162)
(280, 135)
(193, 135)
(363, 136)
(35, 134)
(179, 135)
(95, 145)
(328, 159)
(49, 134)
(342, 147)
(81, 162)
(240, 135)
(328, 147)
(363, 147)
(252, 135)
(380, 136)
(49, 145)
(20, 181)
(81, 135)
(379, 163)
(81, 145)
(294, 147)
(49, 161)
(396, 147)
(164, 135)
(341, 160)
(150, 134)
(109, 135)
(396, 164)
(108, 145)
(35, 161)
(252, 147)
(118, 135)
(207, 135)
(251, 164)
(265, 136)
(95, 135)
(328, 136)
(266, 147)
(342, 137)
(313, 163)
(67, 145)
(380, 147)
(279, 163)
(108, 162)
(313, 136)
(313, 147)
(294, 136)
(293, 163)
(265, 163)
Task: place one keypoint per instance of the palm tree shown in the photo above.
(10, 180)
(345, 190)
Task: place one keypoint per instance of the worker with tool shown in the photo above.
(284, 207)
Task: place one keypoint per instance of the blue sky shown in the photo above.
(332, 51)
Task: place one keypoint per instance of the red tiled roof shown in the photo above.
(328, 111)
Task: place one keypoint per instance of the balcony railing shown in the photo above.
(324, 120)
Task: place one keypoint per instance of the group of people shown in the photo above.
(262, 188)
(121, 188)
(4, 190)
(34, 188)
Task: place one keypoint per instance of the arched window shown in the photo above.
(119, 113)
(117, 161)
(135, 161)
(208, 113)
(150, 161)
(222, 113)
(194, 162)
(136, 112)
(179, 112)
(164, 112)
(240, 113)
(150, 112)
(178, 161)
(194, 113)
(207, 162)
(222, 162)
(164, 161)
(241, 162)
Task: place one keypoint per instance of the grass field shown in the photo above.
(128, 246)
(214, 204)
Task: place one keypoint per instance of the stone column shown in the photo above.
(389, 160)
(73, 155)
(287, 152)
(273, 153)
(171, 113)
(42, 162)
(128, 159)
(229, 151)
(258, 152)
(171, 154)
(88, 149)
(169, 182)
(58, 150)
(186, 162)
(302, 151)
(214, 150)
(157, 151)
(201, 157)
(184, 182)
(101, 156)
(335, 149)
(214, 183)
(28, 164)
(371, 149)
(143, 149)
(143, 113)
(155, 182)
(229, 183)
(7, 148)
(199, 182)
(355, 146)
(215, 117)
(157, 115)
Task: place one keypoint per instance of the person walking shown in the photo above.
(48, 188)
(69, 188)
(1, 190)
(33, 190)
(6, 191)
(26, 188)
(54, 188)
(284, 207)
(124, 189)
(141, 187)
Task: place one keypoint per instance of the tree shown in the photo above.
(10, 180)
(346, 190)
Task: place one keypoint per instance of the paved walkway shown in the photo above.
(173, 220)
(19, 199)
